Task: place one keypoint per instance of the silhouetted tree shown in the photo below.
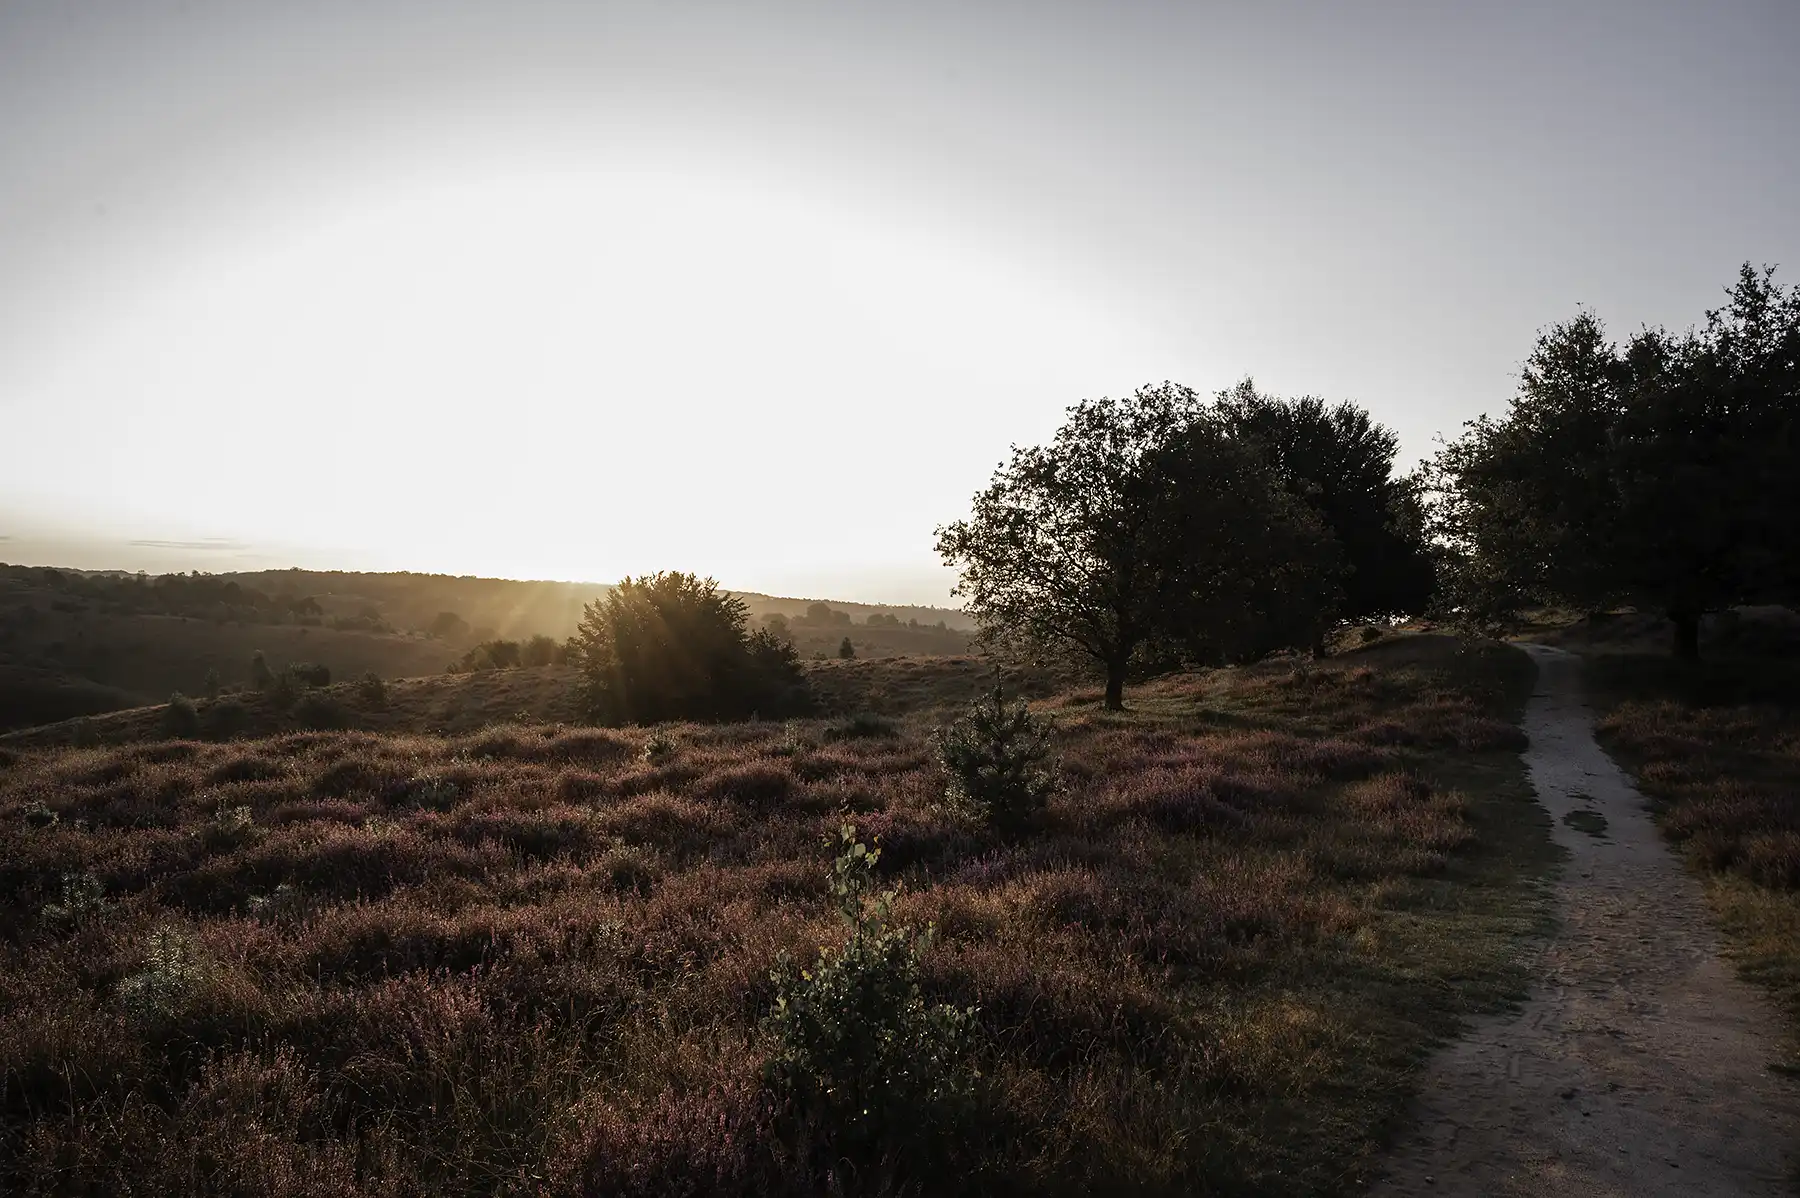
(1143, 521)
(261, 676)
(673, 646)
(540, 650)
(846, 650)
(1338, 461)
(1664, 474)
(449, 626)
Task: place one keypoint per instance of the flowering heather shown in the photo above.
(530, 959)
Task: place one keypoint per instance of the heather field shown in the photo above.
(1716, 745)
(537, 958)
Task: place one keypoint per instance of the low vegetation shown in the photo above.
(541, 959)
(1716, 745)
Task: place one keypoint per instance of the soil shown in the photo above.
(1640, 1065)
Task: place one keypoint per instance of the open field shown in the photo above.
(528, 959)
(1716, 744)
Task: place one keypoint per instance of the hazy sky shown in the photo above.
(766, 290)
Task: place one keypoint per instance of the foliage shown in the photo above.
(673, 646)
(999, 762)
(320, 712)
(859, 1049)
(371, 691)
(1144, 521)
(283, 691)
(540, 650)
(1662, 474)
(846, 651)
(1338, 461)
(261, 676)
(862, 725)
(449, 626)
(310, 673)
(209, 686)
(83, 897)
(180, 719)
(172, 973)
(226, 718)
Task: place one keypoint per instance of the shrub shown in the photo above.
(309, 672)
(283, 691)
(261, 676)
(658, 748)
(540, 650)
(371, 691)
(864, 725)
(209, 686)
(998, 757)
(858, 1049)
(673, 646)
(846, 651)
(39, 815)
(321, 713)
(83, 897)
(226, 718)
(173, 971)
(179, 717)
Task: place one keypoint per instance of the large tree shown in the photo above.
(1340, 462)
(1144, 522)
(1664, 473)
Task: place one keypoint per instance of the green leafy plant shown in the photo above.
(173, 971)
(858, 1047)
(83, 897)
(180, 719)
(659, 748)
(999, 762)
(371, 691)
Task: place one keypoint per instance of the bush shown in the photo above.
(179, 717)
(846, 650)
(673, 646)
(209, 686)
(283, 691)
(997, 757)
(540, 650)
(310, 673)
(226, 718)
(261, 676)
(864, 725)
(38, 814)
(320, 713)
(371, 691)
(858, 1049)
(83, 897)
(173, 971)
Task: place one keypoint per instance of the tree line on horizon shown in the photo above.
(1663, 474)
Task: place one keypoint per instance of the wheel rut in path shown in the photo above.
(1640, 1065)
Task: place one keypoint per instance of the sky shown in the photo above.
(766, 291)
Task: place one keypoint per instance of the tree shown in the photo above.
(449, 626)
(540, 650)
(261, 676)
(846, 650)
(1338, 461)
(673, 646)
(1662, 474)
(1143, 521)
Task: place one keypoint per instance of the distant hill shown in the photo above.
(77, 642)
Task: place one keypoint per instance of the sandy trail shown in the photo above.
(1640, 1064)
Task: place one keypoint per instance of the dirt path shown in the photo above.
(1640, 1064)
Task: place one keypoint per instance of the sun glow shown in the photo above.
(565, 374)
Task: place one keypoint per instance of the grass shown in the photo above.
(1716, 746)
(533, 958)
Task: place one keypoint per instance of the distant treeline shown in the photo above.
(195, 595)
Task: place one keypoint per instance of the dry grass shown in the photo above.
(1717, 746)
(526, 959)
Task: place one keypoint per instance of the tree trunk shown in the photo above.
(1687, 634)
(1115, 686)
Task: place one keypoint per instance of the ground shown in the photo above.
(536, 957)
(1640, 1065)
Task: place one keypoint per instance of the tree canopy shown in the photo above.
(1144, 523)
(1664, 473)
(1337, 460)
(671, 646)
